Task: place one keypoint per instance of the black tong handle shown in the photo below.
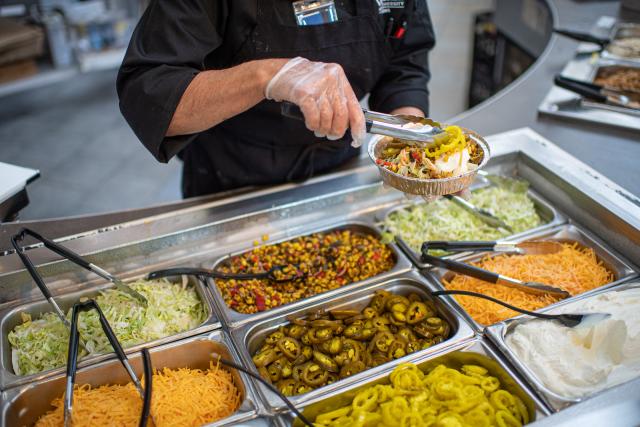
(292, 111)
(563, 317)
(458, 246)
(148, 382)
(582, 37)
(72, 360)
(55, 247)
(33, 272)
(459, 267)
(75, 334)
(269, 386)
(27, 262)
(586, 89)
(193, 271)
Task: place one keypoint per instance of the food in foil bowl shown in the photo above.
(447, 165)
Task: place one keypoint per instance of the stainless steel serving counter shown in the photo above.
(586, 195)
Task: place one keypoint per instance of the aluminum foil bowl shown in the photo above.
(429, 187)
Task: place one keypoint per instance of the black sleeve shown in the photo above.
(166, 52)
(404, 83)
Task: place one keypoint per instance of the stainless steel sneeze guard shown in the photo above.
(563, 233)
(498, 332)
(249, 337)
(232, 317)
(11, 317)
(476, 351)
(24, 405)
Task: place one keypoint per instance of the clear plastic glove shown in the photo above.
(324, 95)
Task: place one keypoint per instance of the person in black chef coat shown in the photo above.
(203, 79)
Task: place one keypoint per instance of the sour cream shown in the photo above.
(457, 163)
(576, 362)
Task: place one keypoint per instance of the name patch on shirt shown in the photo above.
(385, 6)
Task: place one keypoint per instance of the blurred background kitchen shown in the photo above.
(59, 111)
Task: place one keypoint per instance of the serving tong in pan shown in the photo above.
(491, 277)
(146, 391)
(72, 363)
(512, 184)
(598, 94)
(570, 320)
(482, 214)
(584, 37)
(529, 247)
(71, 256)
(427, 134)
(275, 274)
(567, 319)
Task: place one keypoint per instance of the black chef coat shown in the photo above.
(176, 39)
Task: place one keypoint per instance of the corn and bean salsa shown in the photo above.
(325, 261)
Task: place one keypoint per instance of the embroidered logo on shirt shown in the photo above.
(385, 6)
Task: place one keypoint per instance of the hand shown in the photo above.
(324, 95)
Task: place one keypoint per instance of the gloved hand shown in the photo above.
(324, 95)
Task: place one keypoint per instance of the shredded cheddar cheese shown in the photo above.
(180, 397)
(575, 269)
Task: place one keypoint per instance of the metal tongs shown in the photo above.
(598, 94)
(482, 214)
(530, 247)
(72, 363)
(430, 132)
(583, 37)
(71, 256)
(275, 274)
(491, 277)
(513, 184)
(570, 320)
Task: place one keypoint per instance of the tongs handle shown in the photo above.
(586, 89)
(73, 257)
(72, 358)
(459, 267)
(193, 271)
(461, 246)
(292, 111)
(33, 272)
(491, 277)
(55, 247)
(582, 37)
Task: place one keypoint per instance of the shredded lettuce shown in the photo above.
(42, 344)
(444, 220)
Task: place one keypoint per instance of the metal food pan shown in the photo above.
(603, 65)
(24, 405)
(549, 215)
(610, 63)
(621, 268)
(10, 318)
(249, 337)
(499, 331)
(623, 30)
(232, 318)
(477, 352)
